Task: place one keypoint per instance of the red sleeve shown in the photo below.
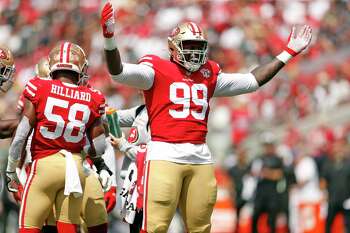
(100, 103)
(20, 103)
(31, 90)
(215, 67)
(148, 60)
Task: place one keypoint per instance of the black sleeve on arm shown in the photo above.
(114, 62)
(265, 73)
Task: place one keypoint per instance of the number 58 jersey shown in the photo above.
(178, 102)
(63, 114)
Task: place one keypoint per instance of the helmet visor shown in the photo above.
(194, 51)
(6, 78)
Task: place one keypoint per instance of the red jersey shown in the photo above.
(63, 114)
(178, 102)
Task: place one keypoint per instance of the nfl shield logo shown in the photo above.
(205, 72)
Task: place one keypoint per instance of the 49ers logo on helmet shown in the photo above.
(134, 135)
(194, 28)
(3, 54)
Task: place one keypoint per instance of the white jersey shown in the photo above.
(137, 119)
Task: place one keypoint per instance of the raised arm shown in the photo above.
(297, 42)
(138, 76)
(235, 84)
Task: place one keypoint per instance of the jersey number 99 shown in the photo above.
(189, 94)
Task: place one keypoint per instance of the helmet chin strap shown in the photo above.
(191, 67)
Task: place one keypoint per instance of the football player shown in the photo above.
(179, 169)
(7, 70)
(60, 112)
(95, 204)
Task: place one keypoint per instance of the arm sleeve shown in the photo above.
(19, 140)
(126, 117)
(139, 76)
(109, 158)
(128, 149)
(231, 84)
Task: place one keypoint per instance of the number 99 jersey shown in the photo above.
(178, 102)
(63, 112)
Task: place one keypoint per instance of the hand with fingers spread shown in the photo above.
(107, 20)
(297, 42)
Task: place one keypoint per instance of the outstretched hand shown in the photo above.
(298, 41)
(107, 20)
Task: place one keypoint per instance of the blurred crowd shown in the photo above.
(241, 34)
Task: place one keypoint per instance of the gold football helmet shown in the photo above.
(7, 69)
(69, 56)
(188, 46)
(42, 68)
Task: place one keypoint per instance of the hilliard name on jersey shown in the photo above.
(70, 93)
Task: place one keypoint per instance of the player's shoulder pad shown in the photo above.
(33, 86)
(149, 60)
(99, 99)
(215, 67)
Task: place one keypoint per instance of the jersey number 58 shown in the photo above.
(62, 127)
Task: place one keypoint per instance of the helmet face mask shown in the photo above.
(193, 54)
(6, 78)
(7, 69)
(188, 47)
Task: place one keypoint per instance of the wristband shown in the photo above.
(284, 57)
(110, 44)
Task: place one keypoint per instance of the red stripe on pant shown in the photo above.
(144, 221)
(25, 195)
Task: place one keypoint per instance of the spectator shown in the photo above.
(237, 173)
(306, 190)
(271, 183)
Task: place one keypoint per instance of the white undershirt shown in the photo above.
(228, 84)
